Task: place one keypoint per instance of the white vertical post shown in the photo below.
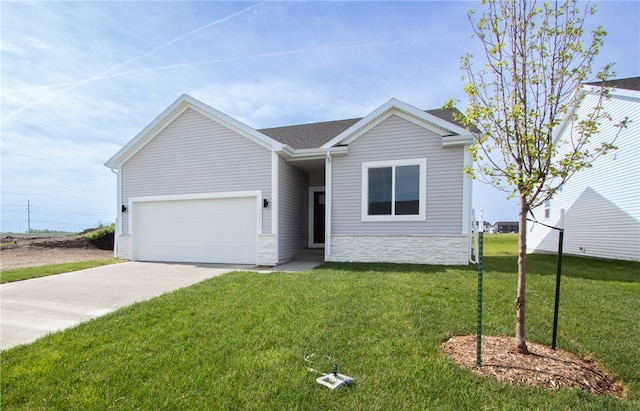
(328, 198)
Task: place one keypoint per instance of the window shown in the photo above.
(394, 190)
(547, 209)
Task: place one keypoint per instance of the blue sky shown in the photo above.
(80, 79)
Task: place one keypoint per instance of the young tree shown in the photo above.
(536, 63)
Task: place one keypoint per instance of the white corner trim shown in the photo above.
(274, 202)
(467, 195)
(328, 186)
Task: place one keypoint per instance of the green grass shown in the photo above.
(18, 274)
(238, 341)
(500, 244)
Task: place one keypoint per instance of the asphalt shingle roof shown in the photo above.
(631, 83)
(314, 135)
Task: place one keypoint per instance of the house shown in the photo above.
(197, 185)
(505, 227)
(486, 226)
(599, 207)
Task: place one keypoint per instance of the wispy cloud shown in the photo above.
(109, 72)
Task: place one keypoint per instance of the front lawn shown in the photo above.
(238, 341)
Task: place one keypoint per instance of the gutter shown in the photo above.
(292, 154)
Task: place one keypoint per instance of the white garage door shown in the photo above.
(221, 230)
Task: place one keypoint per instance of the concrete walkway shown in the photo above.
(31, 309)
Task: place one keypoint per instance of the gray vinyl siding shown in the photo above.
(396, 139)
(293, 210)
(195, 154)
(601, 203)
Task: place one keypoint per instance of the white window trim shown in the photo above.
(422, 195)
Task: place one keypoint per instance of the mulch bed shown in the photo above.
(543, 367)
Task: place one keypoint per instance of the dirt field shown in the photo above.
(18, 252)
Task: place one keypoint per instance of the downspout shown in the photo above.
(327, 209)
(118, 230)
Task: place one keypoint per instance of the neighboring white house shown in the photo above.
(199, 186)
(601, 204)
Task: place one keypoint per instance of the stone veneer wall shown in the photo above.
(124, 247)
(412, 249)
(267, 249)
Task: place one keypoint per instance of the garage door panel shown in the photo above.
(202, 230)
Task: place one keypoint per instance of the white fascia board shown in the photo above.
(157, 125)
(457, 140)
(174, 111)
(615, 92)
(401, 109)
(233, 124)
(292, 154)
(579, 95)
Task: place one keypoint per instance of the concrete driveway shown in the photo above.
(33, 308)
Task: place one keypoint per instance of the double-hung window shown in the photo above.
(394, 190)
(547, 209)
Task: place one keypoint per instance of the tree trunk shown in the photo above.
(521, 344)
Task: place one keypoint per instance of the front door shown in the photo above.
(316, 217)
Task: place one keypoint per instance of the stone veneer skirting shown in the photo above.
(412, 249)
(124, 247)
(267, 249)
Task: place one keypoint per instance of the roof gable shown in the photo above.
(628, 88)
(178, 107)
(302, 139)
(428, 120)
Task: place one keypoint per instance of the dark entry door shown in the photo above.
(318, 217)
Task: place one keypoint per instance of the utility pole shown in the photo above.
(28, 218)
